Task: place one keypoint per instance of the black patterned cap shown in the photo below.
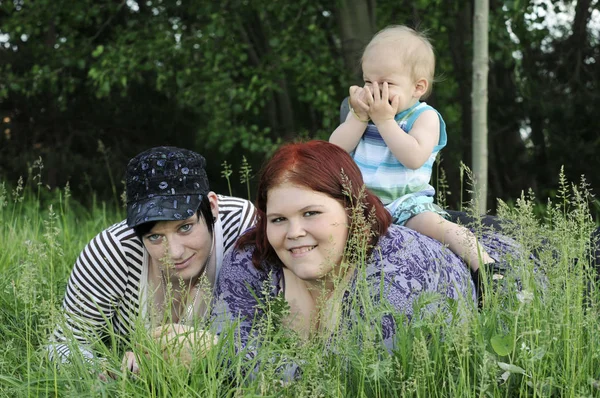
(164, 184)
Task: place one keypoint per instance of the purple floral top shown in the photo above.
(407, 262)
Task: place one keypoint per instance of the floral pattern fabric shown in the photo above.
(407, 262)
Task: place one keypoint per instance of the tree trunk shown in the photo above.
(479, 104)
(580, 22)
(459, 32)
(357, 26)
(279, 107)
(286, 111)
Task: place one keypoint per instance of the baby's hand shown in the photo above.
(358, 102)
(380, 108)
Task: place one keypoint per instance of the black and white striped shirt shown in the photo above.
(103, 291)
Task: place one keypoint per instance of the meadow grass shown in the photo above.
(539, 342)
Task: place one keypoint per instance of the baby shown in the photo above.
(394, 137)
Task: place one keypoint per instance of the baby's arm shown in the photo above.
(348, 134)
(413, 149)
(458, 238)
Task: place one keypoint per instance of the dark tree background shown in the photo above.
(235, 78)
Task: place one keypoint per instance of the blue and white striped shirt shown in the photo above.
(383, 174)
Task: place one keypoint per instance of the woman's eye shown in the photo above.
(311, 213)
(185, 228)
(277, 220)
(154, 238)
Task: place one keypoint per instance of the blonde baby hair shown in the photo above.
(412, 47)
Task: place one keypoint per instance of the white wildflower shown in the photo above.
(525, 297)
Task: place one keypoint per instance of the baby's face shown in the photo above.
(380, 66)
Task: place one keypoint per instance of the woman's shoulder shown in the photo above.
(412, 259)
(403, 246)
(121, 231)
(235, 211)
(236, 215)
(238, 263)
(120, 242)
(238, 274)
(232, 203)
(116, 236)
(397, 234)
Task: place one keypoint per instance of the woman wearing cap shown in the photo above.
(161, 263)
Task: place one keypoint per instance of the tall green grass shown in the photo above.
(543, 341)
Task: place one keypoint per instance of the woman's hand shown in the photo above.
(108, 373)
(181, 343)
(130, 363)
(178, 343)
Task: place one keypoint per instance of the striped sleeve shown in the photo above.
(237, 215)
(97, 285)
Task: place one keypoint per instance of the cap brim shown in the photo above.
(162, 208)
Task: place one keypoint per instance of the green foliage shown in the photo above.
(212, 76)
(502, 344)
(232, 62)
(223, 76)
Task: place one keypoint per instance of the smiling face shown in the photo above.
(307, 229)
(381, 65)
(181, 247)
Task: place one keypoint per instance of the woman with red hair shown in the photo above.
(320, 238)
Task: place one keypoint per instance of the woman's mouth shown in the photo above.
(298, 251)
(184, 263)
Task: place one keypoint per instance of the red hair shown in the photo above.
(322, 167)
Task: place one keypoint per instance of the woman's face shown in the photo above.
(307, 229)
(181, 247)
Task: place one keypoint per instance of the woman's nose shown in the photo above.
(295, 229)
(175, 248)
